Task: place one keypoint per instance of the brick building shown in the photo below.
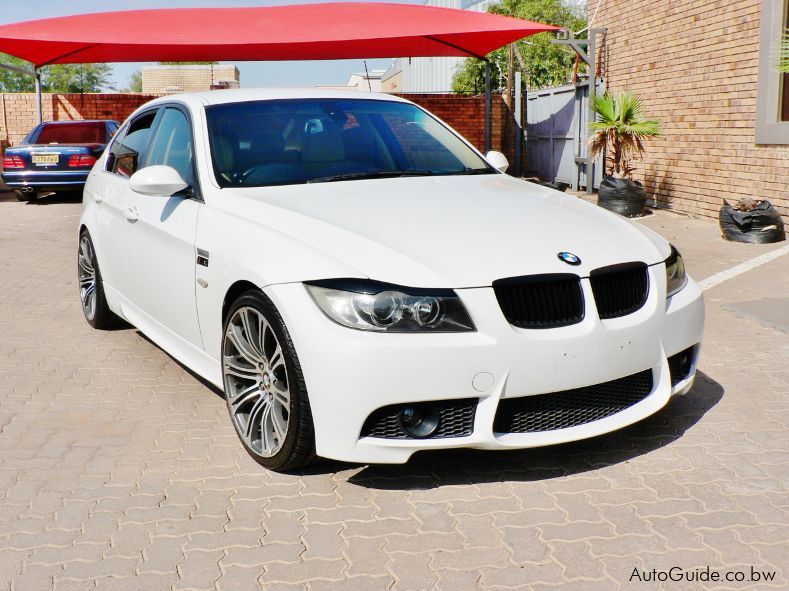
(708, 71)
(188, 78)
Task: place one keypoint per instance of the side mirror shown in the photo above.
(497, 160)
(158, 181)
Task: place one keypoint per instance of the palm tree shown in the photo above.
(783, 54)
(620, 128)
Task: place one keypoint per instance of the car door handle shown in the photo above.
(131, 214)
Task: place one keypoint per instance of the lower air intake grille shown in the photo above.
(620, 290)
(560, 410)
(456, 419)
(679, 365)
(541, 301)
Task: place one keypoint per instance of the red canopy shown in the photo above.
(297, 32)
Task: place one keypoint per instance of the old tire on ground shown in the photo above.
(264, 387)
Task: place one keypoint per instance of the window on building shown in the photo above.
(772, 106)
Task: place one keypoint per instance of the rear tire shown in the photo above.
(31, 196)
(264, 387)
(91, 289)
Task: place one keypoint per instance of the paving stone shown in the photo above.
(127, 475)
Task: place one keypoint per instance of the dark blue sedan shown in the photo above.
(55, 156)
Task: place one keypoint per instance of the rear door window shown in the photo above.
(128, 153)
(89, 132)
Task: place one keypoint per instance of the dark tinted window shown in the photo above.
(283, 142)
(73, 133)
(172, 144)
(128, 152)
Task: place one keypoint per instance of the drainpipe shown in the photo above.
(487, 107)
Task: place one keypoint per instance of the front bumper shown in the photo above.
(56, 180)
(350, 374)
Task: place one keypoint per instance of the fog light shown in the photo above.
(418, 420)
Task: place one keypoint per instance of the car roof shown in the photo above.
(80, 121)
(240, 95)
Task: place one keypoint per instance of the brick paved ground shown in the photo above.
(120, 470)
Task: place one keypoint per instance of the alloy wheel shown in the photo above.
(87, 277)
(256, 382)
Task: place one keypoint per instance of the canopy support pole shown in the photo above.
(518, 123)
(37, 74)
(487, 107)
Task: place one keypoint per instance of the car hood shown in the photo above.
(449, 231)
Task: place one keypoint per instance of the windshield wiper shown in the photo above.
(369, 175)
(475, 171)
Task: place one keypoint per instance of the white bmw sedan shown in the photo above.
(363, 284)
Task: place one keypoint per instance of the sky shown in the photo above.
(253, 74)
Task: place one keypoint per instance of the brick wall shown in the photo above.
(695, 66)
(465, 113)
(18, 114)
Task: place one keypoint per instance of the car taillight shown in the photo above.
(80, 160)
(13, 162)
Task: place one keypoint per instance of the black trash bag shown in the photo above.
(761, 225)
(622, 196)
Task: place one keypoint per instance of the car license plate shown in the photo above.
(44, 159)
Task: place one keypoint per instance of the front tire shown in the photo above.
(264, 387)
(91, 289)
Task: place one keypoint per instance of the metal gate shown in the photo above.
(555, 121)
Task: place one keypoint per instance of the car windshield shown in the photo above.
(92, 132)
(285, 142)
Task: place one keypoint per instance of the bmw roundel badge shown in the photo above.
(569, 258)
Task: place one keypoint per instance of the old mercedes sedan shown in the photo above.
(362, 283)
(55, 156)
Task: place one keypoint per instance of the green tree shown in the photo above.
(76, 78)
(135, 82)
(58, 78)
(11, 81)
(547, 64)
(783, 54)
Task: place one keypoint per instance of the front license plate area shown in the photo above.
(45, 159)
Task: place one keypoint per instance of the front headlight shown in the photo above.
(675, 273)
(372, 305)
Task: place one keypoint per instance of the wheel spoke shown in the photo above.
(266, 440)
(245, 373)
(254, 417)
(85, 265)
(252, 339)
(279, 425)
(240, 344)
(244, 396)
(282, 396)
(277, 359)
